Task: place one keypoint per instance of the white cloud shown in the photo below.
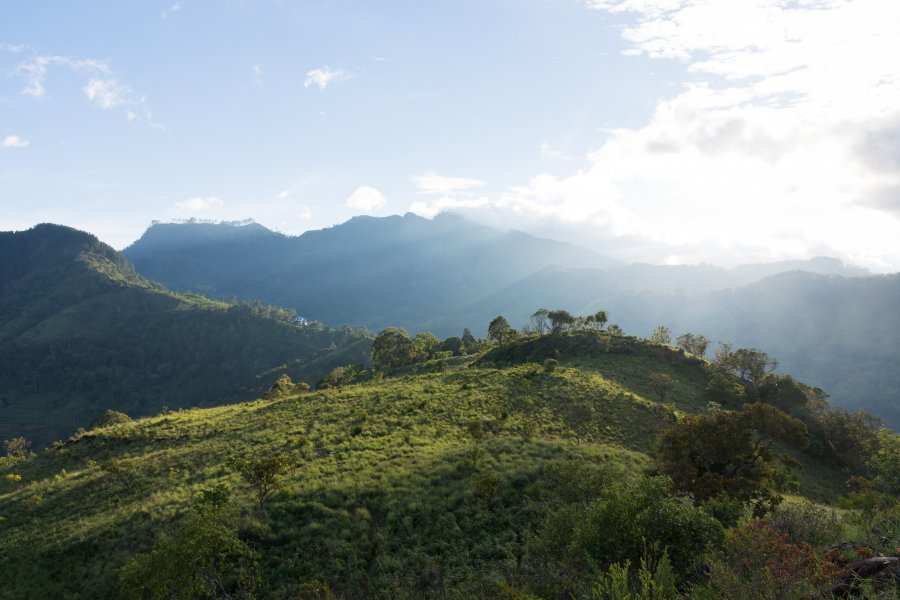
(283, 195)
(172, 9)
(13, 141)
(109, 93)
(432, 183)
(433, 208)
(34, 71)
(102, 88)
(366, 199)
(196, 205)
(548, 151)
(324, 77)
(782, 143)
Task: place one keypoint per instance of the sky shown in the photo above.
(662, 131)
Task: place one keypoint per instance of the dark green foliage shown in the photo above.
(500, 332)
(724, 389)
(452, 344)
(204, 558)
(730, 453)
(393, 348)
(629, 521)
(560, 320)
(661, 383)
(110, 417)
(81, 332)
(378, 496)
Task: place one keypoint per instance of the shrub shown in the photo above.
(109, 418)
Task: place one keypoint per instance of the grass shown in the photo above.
(382, 499)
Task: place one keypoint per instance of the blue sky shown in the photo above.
(659, 130)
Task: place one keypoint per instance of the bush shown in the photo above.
(804, 522)
(631, 521)
(109, 418)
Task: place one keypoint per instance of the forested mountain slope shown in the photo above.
(81, 332)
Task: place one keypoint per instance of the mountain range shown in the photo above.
(833, 325)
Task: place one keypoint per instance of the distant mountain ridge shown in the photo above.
(446, 274)
(372, 271)
(81, 331)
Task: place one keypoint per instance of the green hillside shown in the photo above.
(81, 332)
(466, 482)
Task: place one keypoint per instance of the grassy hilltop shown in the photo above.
(472, 480)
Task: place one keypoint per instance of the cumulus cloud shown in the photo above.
(366, 199)
(780, 143)
(13, 141)
(433, 184)
(196, 205)
(324, 77)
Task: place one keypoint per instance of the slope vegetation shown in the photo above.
(81, 332)
(429, 485)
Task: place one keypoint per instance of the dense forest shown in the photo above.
(564, 461)
(81, 332)
(447, 274)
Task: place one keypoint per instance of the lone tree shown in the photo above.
(17, 447)
(392, 348)
(661, 335)
(730, 453)
(661, 383)
(263, 473)
(500, 332)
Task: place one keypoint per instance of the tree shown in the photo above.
(392, 348)
(499, 331)
(724, 389)
(452, 344)
(661, 335)
(560, 320)
(615, 329)
(468, 340)
(661, 383)
(284, 387)
(694, 343)
(730, 453)
(205, 558)
(123, 471)
(783, 392)
(17, 447)
(425, 344)
(753, 365)
(597, 320)
(539, 319)
(263, 473)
